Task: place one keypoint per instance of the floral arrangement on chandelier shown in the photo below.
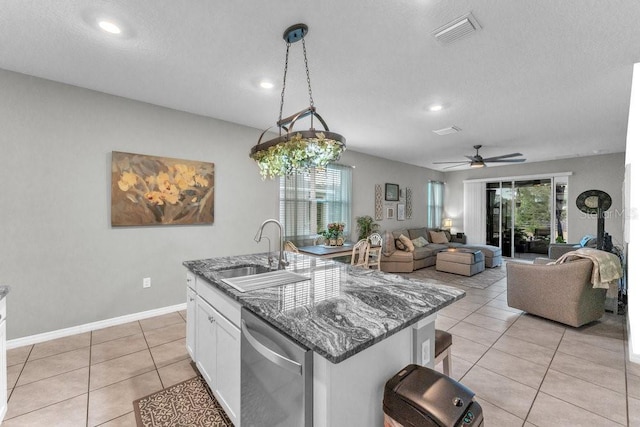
(298, 154)
(297, 151)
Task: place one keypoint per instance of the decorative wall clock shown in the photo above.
(589, 201)
(596, 202)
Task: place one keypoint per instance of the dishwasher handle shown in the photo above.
(278, 359)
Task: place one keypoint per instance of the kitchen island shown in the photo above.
(362, 325)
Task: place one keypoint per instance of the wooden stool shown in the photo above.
(443, 350)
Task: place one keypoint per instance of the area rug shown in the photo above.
(480, 281)
(188, 403)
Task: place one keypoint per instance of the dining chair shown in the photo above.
(360, 253)
(375, 251)
(290, 247)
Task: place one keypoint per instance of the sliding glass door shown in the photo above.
(499, 215)
(525, 216)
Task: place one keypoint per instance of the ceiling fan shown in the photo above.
(478, 161)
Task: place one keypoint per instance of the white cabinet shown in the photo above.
(213, 321)
(206, 342)
(191, 321)
(227, 384)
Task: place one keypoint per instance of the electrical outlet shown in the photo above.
(426, 354)
(146, 282)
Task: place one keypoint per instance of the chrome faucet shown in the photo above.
(282, 262)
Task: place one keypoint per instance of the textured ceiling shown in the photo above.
(550, 79)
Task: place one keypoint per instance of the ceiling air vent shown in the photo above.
(457, 29)
(447, 131)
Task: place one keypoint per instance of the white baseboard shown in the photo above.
(60, 333)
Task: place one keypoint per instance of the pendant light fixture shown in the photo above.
(297, 151)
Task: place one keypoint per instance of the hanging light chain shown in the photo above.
(284, 82)
(306, 66)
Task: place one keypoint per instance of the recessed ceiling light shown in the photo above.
(266, 84)
(436, 107)
(109, 27)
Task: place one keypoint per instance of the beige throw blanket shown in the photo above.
(606, 267)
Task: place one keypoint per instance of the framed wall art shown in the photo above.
(392, 192)
(400, 212)
(390, 212)
(152, 190)
(378, 202)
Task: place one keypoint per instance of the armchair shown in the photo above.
(559, 292)
(556, 250)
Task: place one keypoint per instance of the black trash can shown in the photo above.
(421, 397)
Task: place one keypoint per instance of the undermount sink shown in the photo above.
(245, 270)
(254, 277)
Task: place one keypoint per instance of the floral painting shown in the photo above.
(150, 190)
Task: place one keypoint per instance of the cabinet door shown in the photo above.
(227, 384)
(206, 341)
(191, 323)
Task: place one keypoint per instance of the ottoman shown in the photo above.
(397, 262)
(463, 261)
(492, 254)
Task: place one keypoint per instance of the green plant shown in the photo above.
(333, 231)
(519, 235)
(366, 226)
(297, 155)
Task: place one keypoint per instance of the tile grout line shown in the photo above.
(19, 374)
(545, 376)
(151, 354)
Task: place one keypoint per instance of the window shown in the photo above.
(310, 201)
(435, 201)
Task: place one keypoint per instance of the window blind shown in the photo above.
(309, 201)
(435, 203)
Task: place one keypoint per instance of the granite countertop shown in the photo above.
(341, 311)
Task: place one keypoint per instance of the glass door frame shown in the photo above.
(555, 181)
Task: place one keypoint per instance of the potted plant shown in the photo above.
(520, 240)
(333, 235)
(366, 226)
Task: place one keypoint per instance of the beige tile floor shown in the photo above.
(91, 379)
(528, 371)
(525, 371)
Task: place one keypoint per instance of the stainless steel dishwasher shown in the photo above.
(276, 377)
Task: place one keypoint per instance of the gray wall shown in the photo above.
(603, 172)
(65, 263)
(370, 171)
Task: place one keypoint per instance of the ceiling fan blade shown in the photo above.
(442, 163)
(455, 166)
(472, 158)
(504, 156)
(506, 160)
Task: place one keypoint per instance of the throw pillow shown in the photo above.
(438, 237)
(388, 243)
(407, 243)
(419, 242)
